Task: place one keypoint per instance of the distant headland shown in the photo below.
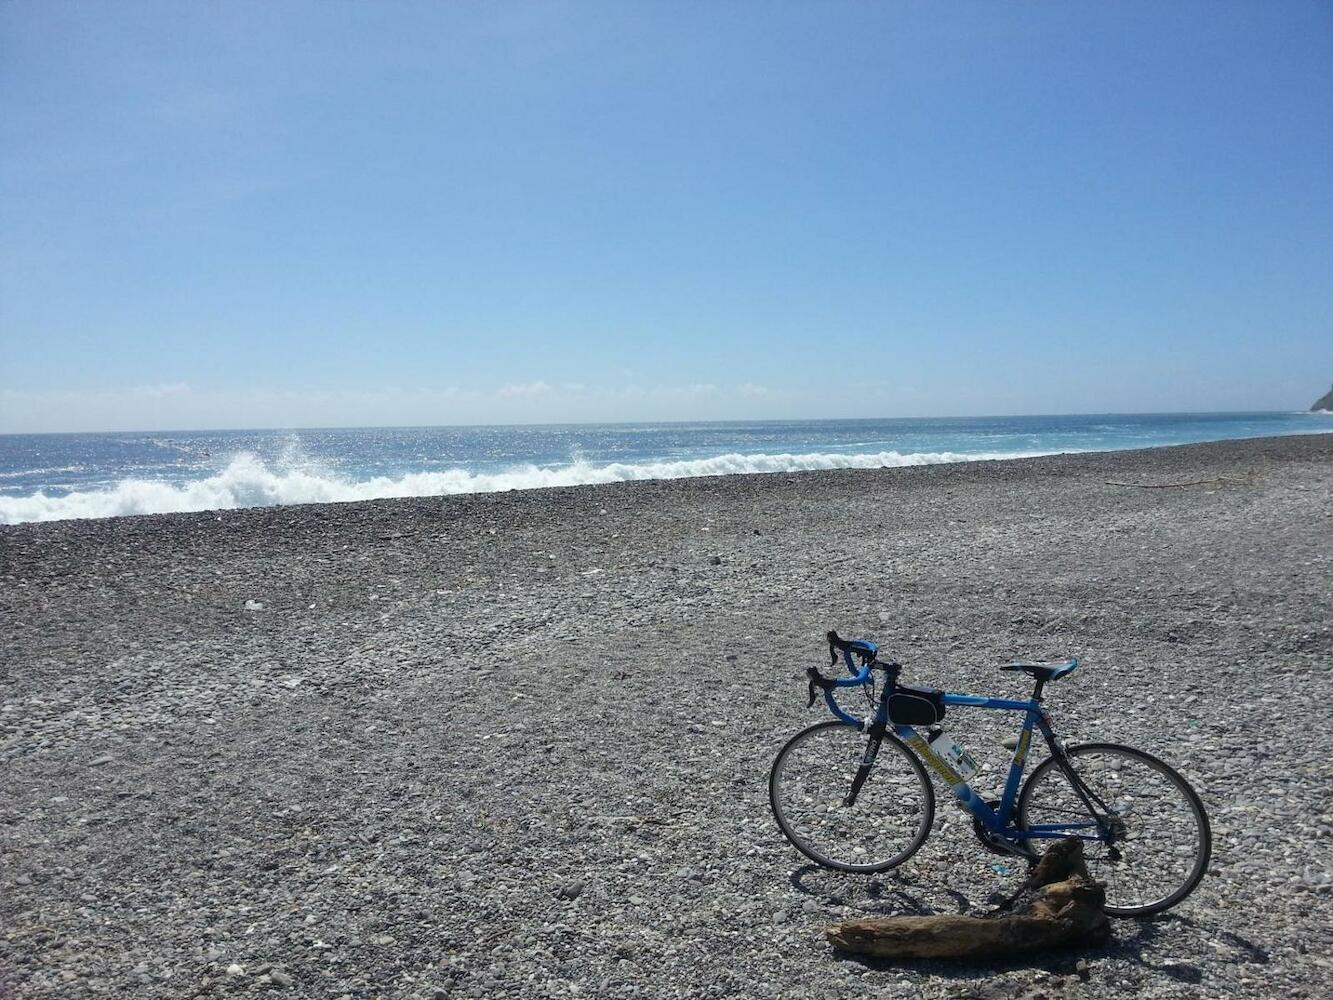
(1324, 402)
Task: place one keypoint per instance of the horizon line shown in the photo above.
(657, 423)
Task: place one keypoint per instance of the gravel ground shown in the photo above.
(518, 744)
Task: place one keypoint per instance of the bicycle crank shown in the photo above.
(996, 844)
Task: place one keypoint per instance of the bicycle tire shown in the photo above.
(1101, 865)
(880, 809)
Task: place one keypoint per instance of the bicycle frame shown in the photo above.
(999, 822)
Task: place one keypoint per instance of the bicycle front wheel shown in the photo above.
(808, 788)
(1161, 841)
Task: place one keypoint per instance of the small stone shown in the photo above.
(99, 761)
(570, 890)
(235, 970)
(1083, 970)
(715, 560)
(280, 978)
(254, 605)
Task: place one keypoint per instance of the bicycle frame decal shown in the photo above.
(936, 763)
(977, 701)
(1021, 752)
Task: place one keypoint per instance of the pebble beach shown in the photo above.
(517, 744)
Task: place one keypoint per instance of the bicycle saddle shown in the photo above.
(1051, 671)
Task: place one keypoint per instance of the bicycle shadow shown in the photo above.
(886, 894)
(1143, 943)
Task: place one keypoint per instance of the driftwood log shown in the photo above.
(1059, 906)
(1249, 480)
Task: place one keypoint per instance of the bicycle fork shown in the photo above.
(867, 762)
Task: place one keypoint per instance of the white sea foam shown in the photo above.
(248, 482)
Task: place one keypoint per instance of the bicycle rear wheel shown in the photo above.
(808, 787)
(1161, 843)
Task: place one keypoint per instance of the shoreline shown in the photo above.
(1036, 455)
(516, 744)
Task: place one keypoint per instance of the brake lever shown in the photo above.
(816, 679)
(832, 648)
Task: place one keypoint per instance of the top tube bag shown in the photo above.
(909, 706)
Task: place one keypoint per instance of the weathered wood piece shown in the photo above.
(1176, 486)
(1059, 906)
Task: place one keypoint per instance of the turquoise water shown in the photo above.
(55, 476)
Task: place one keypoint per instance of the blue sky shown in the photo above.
(297, 214)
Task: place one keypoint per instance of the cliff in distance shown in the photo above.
(1324, 402)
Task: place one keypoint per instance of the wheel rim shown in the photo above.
(810, 781)
(1162, 841)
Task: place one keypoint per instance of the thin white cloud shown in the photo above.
(538, 388)
(162, 390)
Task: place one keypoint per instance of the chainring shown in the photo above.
(988, 839)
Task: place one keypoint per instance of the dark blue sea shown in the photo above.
(54, 476)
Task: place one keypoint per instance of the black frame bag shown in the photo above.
(910, 706)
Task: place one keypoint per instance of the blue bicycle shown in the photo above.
(853, 794)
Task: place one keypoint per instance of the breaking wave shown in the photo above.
(248, 482)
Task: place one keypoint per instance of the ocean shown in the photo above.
(46, 477)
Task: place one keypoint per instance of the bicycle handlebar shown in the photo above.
(863, 649)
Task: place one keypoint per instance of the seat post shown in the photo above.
(1036, 691)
